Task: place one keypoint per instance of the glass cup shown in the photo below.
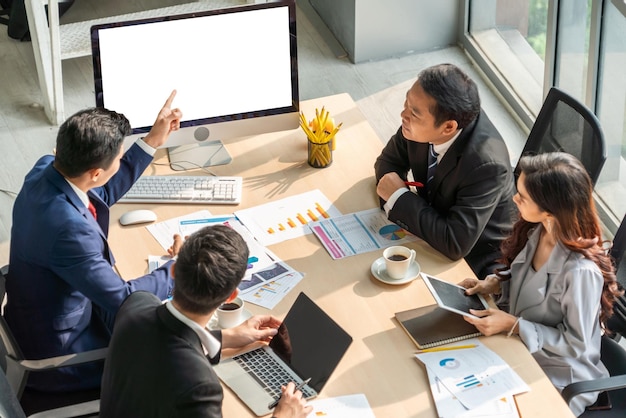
(320, 154)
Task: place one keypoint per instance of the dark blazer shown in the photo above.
(156, 367)
(61, 283)
(468, 209)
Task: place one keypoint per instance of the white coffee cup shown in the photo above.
(230, 314)
(398, 259)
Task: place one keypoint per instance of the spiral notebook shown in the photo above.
(430, 326)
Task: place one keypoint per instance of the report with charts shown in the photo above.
(287, 218)
(448, 406)
(267, 280)
(358, 233)
(474, 376)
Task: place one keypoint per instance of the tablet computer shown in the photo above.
(452, 297)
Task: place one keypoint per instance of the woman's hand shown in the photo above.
(490, 285)
(491, 321)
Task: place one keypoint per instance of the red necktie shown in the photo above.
(92, 209)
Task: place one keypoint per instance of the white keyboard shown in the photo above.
(208, 190)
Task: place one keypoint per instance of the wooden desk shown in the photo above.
(379, 362)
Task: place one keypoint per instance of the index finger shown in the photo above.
(168, 102)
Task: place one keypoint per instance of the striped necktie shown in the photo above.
(432, 164)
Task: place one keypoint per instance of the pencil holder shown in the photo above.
(320, 133)
(320, 154)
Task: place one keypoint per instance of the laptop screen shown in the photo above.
(310, 342)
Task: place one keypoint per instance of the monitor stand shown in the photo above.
(204, 154)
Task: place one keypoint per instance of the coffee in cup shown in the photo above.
(398, 259)
(230, 314)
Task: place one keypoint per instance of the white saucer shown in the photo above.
(213, 325)
(379, 271)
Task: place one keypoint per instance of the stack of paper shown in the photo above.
(267, 280)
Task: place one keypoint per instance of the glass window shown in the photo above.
(572, 49)
(611, 110)
(512, 36)
(527, 40)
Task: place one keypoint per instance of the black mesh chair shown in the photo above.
(565, 124)
(613, 356)
(617, 323)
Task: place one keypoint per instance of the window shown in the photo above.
(512, 36)
(611, 109)
(526, 46)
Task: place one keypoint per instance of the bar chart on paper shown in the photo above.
(287, 218)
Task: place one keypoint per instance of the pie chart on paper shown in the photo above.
(392, 232)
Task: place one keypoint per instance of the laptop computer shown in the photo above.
(309, 344)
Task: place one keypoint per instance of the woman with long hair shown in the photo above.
(558, 287)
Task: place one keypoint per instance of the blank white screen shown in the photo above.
(220, 65)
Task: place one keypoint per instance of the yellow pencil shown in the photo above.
(456, 347)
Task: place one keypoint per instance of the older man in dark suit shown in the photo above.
(463, 202)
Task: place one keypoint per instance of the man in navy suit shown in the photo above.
(464, 208)
(160, 356)
(62, 290)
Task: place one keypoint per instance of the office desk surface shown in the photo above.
(380, 362)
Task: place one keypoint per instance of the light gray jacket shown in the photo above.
(560, 307)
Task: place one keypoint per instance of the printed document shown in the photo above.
(348, 406)
(267, 280)
(287, 218)
(448, 406)
(359, 232)
(474, 376)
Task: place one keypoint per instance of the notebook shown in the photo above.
(309, 344)
(430, 326)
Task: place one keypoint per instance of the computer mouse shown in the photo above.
(138, 216)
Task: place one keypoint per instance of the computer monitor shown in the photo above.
(235, 71)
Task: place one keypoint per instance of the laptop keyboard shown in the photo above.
(268, 372)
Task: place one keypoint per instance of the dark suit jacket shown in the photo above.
(156, 366)
(468, 208)
(61, 271)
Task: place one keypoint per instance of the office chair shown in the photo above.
(15, 370)
(617, 323)
(565, 124)
(613, 356)
(10, 405)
